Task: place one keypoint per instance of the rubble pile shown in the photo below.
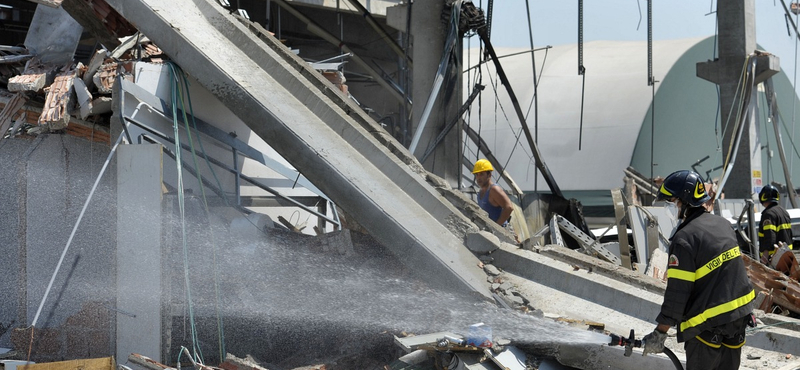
(40, 97)
(777, 293)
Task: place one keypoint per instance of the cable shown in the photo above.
(74, 229)
(220, 326)
(182, 208)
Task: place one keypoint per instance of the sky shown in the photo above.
(555, 22)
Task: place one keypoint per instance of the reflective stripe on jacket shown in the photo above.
(775, 226)
(707, 283)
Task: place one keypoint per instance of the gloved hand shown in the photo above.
(653, 342)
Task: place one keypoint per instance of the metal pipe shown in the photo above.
(751, 215)
(225, 167)
(772, 102)
(236, 180)
(548, 177)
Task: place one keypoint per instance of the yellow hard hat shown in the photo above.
(482, 165)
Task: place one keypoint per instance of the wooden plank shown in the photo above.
(105, 363)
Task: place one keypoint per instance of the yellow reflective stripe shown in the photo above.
(736, 346)
(776, 228)
(712, 345)
(712, 265)
(760, 234)
(718, 310)
(717, 262)
(680, 274)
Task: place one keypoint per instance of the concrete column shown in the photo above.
(429, 35)
(737, 39)
(139, 282)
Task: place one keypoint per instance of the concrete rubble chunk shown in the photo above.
(491, 270)
(84, 97)
(35, 76)
(94, 65)
(482, 242)
(55, 114)
(101, 104)
(234, 363)
(105, 76)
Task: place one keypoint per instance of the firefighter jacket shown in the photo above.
(707, 283)
(775, 226)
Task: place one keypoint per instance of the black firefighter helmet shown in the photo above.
(685, 185)
(769, 193)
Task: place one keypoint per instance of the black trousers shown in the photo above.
(719, 348)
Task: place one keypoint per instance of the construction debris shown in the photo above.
(55, 113)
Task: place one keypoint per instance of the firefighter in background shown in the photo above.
(775, 234)
(709, 298)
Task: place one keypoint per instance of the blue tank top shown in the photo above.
(483, 202)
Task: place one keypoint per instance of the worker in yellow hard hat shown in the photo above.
(492, 198)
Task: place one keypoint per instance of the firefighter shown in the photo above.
(709, 298)
(775, 227)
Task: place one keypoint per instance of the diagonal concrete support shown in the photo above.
(315, 135)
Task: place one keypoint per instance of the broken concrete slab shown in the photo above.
(53, 35)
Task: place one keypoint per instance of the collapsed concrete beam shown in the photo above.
(314, 135)
(616, 288)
